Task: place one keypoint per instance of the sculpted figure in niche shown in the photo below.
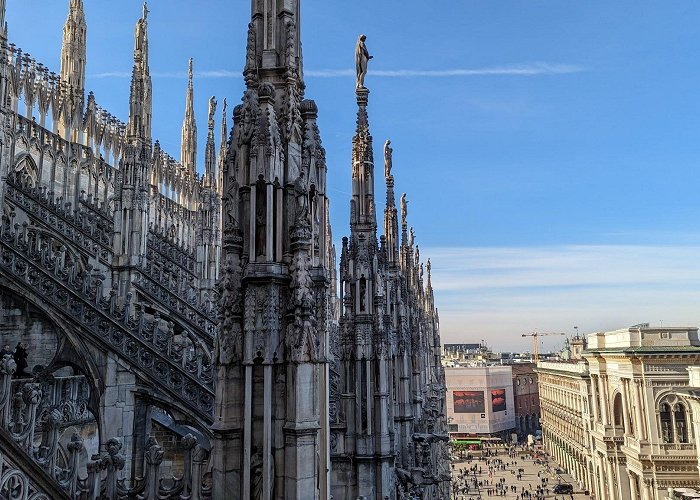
(361, 58)
(302, 197)
(260, 218)
(388, 151)
(231, 204)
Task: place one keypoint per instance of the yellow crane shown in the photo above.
(535, 343)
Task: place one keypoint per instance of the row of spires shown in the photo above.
(138, 129)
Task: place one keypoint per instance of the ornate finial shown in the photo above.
(361, 58)
(428, 266)
(223, 108)
(145, 11)
(388, 151)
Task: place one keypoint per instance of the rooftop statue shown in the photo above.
(388, 163)
(361, 58)
(404, 208)
(212, 108)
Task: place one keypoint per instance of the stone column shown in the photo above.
(594, 398)
(118, 402)
(641, 429)
(625, 404)
(695, 410)
(633, 486)
(623, 481)
(604, 400)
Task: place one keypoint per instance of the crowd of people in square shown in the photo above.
(477, 480)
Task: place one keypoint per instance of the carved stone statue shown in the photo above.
(361, 58)
(388, 151)
(141, 29)
(212, 110)
(404, 208)
(301, 193)
(231, 205)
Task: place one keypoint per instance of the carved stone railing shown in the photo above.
(81, 227)
(163, 284)
(180, 363)
(684, 448)
(19, 415)
(178, 255)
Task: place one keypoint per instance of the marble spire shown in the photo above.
(188, 146)
(140, 98)
(74, 47)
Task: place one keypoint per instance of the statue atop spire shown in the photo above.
(388, 151)
(361, 58)
(404, 209)
(141, 37)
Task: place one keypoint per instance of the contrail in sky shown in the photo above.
(533, 69)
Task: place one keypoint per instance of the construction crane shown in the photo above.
(535, 343)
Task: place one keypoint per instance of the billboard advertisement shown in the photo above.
(498, 400)
(468, 401)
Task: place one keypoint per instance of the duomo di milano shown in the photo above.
(190, 336)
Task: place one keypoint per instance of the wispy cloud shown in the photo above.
(220, 73)
(531, 69)
(499, 293)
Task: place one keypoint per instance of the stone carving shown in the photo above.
(361, 58)
(212, 111)
(404, 208)
(301, 193)
(388, 163)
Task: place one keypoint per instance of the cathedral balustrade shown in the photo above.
(165, 246)
(140, 339)
(198, 316)
(81, 227)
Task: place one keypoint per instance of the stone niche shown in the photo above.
(22, 322)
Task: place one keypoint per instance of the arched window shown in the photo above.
(617, 410)
(673, 419)
(680, 427)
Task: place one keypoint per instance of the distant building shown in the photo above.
(527, 399)
(480, 401)
(624, 420)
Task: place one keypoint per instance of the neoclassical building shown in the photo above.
(622, 420)
(184, 333)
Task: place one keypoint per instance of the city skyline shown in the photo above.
(551, 184)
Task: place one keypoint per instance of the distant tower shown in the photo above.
(271, 423)
(131, 198)
(365, 352)
(188, 147)
(73, 50)
(141, 96)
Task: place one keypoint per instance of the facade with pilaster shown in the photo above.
(630, 431)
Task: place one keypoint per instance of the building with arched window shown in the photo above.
(625, 420)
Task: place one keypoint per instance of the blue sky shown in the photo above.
(549, 149)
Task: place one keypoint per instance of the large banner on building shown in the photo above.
(498, 400)
(469, 401)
